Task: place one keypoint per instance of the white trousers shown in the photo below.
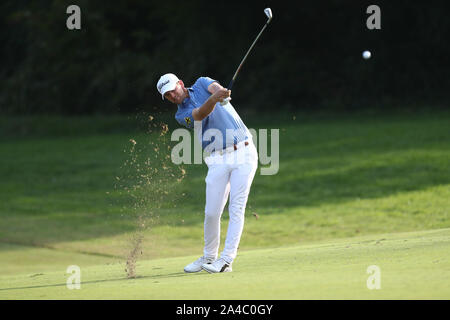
(230, 174)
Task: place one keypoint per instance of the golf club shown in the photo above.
(269, 15)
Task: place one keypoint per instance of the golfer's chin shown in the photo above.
(173, 101)
(180, 101)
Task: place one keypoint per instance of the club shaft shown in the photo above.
(230, 85)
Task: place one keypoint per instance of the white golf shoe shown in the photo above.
(196, 266)
(220, 265)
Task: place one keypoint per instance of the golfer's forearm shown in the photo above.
(202, 112)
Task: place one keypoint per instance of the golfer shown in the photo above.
(231, 158)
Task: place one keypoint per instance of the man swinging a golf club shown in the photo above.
(232, 163)
(232, 159)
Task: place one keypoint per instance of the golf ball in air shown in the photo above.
(366, 54)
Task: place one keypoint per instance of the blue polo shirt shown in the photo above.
(223, 119)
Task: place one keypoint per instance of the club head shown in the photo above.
(268, 13)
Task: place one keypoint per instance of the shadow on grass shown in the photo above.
(347, 183)
(159, 276)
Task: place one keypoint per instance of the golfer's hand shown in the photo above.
(221, 94)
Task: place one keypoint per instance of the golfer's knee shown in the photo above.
(211, 214)
(237, 211)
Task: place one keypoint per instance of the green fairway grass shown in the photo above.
(412, 266)
(70, 187)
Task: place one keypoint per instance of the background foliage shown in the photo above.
(309, 57)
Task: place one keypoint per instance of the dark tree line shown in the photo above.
(308, 58)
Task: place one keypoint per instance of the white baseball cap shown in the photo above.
(166, 83)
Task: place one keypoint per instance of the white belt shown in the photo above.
(231, 148)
